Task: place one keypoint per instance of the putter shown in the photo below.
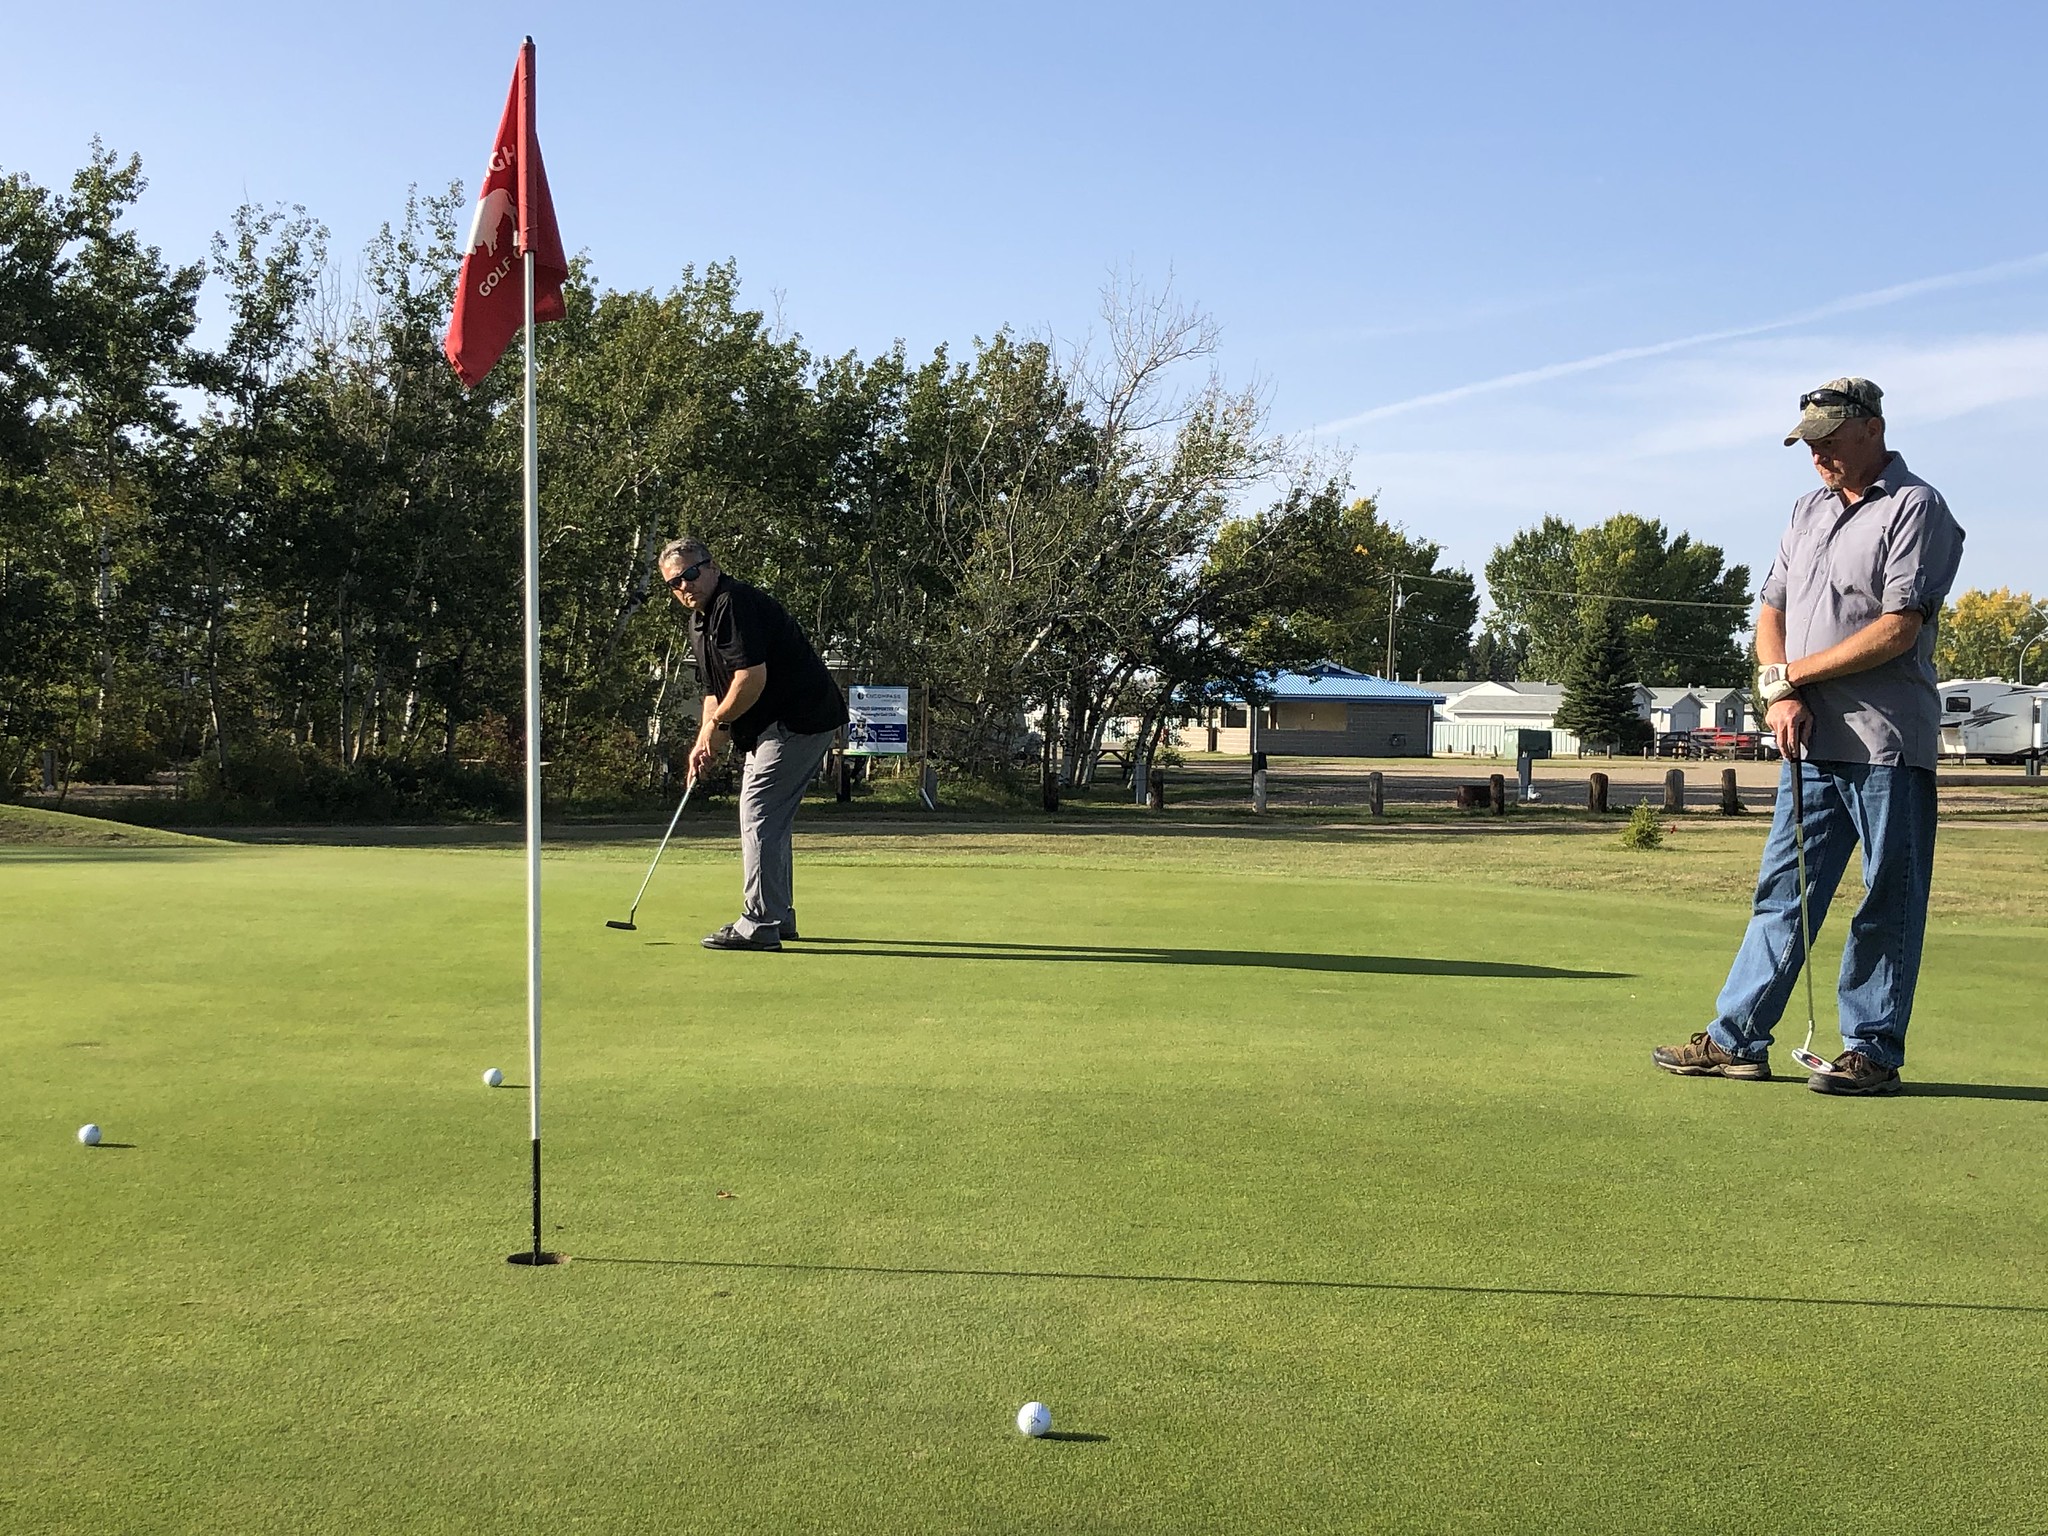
(1804, 1055)
(612, 922)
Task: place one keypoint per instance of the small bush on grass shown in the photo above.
(1644, 830)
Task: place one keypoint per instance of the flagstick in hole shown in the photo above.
(489, 312)
(612, 922)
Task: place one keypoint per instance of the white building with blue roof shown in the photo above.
(1321, 711)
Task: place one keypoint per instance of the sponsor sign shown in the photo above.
(878, 723)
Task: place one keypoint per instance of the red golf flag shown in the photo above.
(513, 213)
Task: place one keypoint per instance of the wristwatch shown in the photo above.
(1774, 683)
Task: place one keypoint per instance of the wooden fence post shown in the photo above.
(1731, 796)
(1674, 792)
(1376, 792)
(1497, 797)
(1596, 794)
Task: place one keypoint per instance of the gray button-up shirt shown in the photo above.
(1840, 568)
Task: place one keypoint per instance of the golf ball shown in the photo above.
(89, 1134)
(1034, 1419)
(493, 1077)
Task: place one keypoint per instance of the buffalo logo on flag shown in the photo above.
(493, 210)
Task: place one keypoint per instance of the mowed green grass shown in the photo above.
(1311, 1180)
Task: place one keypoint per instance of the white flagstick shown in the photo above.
(532, 603)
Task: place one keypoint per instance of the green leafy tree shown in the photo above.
(215, 498)
(1981, 634)
(329, 524)
(660, 414)
(93, 348)
(129, 317)
(44, 599)
(1533, 623)
(1684, 630)
(400, 558)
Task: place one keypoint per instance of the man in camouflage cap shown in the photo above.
(1845, 646)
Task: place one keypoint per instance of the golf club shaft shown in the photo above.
(671, 832)
(1798, 767)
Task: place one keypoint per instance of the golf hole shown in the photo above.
(529, 1257)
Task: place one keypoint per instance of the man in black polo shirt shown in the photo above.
(767, 690)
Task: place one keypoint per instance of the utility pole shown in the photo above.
(1393, 608)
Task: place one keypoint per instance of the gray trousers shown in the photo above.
(772, 786)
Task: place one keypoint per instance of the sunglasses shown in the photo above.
(687, 574)
(1835, 397)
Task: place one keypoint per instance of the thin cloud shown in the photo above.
(1874, 299)
(1653, 443)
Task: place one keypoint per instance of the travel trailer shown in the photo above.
(1998, 721)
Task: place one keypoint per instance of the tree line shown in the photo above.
(286, 558)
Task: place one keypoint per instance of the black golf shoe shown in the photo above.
(1701, 1057)
(730, 937)
(1855, 1073)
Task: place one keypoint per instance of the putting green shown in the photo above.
(1319, 1181)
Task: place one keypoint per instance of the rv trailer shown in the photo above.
(1997, 721)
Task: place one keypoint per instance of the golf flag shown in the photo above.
(514, 214)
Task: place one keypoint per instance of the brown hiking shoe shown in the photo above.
(1701, 1057)
(1855, 1073)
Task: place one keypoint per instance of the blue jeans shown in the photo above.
(1890, 811)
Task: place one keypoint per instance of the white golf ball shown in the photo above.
(1034, 1419)
(89, 1134)
(493, 1077)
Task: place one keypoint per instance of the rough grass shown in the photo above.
(28, 826)
(1317, 1179)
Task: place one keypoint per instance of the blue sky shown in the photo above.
(1513, 259)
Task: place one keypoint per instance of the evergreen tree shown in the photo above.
(1599, 690)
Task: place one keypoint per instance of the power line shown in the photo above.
(1594, 597)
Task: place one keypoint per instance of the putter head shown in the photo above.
(1814, 1063)
(613, 922)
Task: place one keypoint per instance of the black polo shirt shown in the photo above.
(742, 626)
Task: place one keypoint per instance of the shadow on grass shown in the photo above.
(2023, 1092)
(1413, 1287)
(1149, 954)
(1913, 1090)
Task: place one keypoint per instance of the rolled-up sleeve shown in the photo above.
(1772, 592)
(1922, 555)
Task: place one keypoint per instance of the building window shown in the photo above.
(1233, 718)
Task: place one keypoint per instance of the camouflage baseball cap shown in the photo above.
(1839, 400)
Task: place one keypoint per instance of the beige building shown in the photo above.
(1324, 711)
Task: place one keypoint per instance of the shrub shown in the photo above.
(124, 762)
(269, 776)
(1644, 830)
